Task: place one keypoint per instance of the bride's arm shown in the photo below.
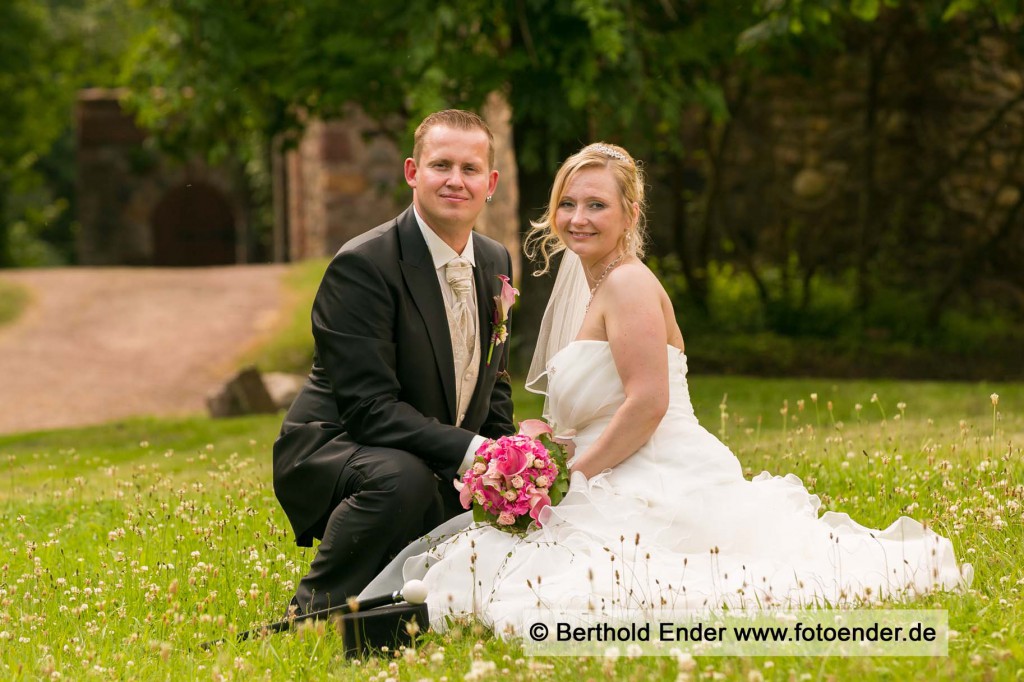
(629, 306)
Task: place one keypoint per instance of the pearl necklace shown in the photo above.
(600, 279)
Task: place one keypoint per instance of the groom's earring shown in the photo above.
(490, 198)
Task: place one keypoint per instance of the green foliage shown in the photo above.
(741, 333)
(670, 81)
(13, 301)
(1005, 11)
(48, 51)
(865, 9)
(570, 66)
(26, 118)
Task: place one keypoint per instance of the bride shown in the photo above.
(658, 513)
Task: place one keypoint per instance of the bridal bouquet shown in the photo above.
(514, 477)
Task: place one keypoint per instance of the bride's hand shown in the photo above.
(581, 467)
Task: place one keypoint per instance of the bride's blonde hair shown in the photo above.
(543, 241)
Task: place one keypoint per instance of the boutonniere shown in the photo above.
(499, 320)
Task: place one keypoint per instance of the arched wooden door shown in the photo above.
(193, 225)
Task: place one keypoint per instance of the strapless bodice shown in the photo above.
(584, 388)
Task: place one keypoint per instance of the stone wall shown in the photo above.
(137, 206)
(346, 176)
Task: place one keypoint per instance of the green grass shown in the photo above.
(290, 348)
(125, 545)
(13, 301)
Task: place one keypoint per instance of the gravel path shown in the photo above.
(98, 344)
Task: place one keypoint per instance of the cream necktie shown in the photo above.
(459, 273)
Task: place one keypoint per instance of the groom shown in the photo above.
(400, 394)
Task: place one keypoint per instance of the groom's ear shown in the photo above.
(411, 170)
(492, 182)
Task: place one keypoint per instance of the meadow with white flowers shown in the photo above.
(124, 546)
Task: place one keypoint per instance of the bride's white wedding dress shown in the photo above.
(675, 526)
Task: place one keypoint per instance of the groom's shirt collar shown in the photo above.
(440, 252)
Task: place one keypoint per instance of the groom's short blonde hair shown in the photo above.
(457, 119)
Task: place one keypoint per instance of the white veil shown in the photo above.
(563, 318)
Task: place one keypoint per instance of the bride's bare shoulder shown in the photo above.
(633, 279)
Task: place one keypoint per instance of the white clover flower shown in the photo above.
(479, 670)
(686, 662)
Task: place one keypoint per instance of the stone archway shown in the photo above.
(193, 224)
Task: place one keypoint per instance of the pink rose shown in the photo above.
(479, 468)
(492, 478)
(517, 481)
(542, 482)
(506, 519)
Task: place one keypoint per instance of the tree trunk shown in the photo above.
(867, 218)
(866, 200)
(278, 165)
(694, 273)
(500, 220)
(969, 268)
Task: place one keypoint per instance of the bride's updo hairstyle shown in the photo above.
(543, 241)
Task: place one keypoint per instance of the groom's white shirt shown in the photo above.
(441, 254)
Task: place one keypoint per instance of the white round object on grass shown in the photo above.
(414, 592)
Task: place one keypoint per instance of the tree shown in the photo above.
(29, 123)
(686, 85)
(573, 71)
(48, 51)
(910, 231)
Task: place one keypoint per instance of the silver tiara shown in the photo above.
(608, 151)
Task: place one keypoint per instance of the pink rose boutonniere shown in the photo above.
(499, 322)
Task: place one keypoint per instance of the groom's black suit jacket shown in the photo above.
(383, 373)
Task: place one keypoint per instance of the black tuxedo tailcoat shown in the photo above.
(383, 373)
